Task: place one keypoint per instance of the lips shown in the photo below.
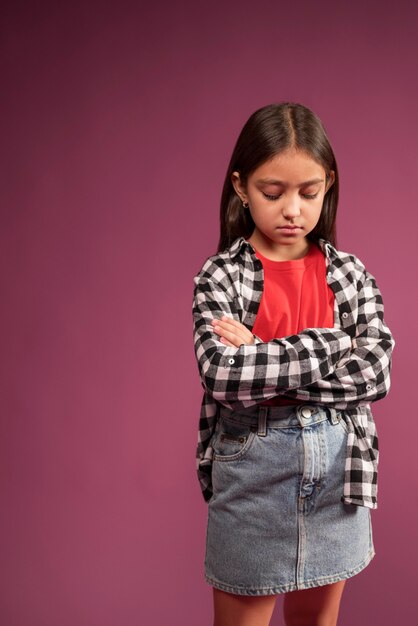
(290, 227)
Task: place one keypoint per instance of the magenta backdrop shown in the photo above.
(117, 125)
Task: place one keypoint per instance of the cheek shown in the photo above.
(262, 215)
(312, 213)
(317, 207)
(259, 209)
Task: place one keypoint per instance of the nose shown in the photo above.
(291, 206)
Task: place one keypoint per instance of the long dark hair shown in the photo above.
(267, 132)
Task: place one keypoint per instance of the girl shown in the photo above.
(292, 348)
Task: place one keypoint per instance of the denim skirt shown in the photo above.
(276, 522)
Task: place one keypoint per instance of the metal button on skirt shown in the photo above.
(276, 522)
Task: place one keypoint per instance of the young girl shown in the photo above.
(292, 348)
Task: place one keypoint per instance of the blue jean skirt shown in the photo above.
(276, 522)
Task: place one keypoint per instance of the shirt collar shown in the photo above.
(240, 243)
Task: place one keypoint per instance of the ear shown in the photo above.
(331, 180)
(238, 186)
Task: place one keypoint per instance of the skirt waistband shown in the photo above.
(286, 416)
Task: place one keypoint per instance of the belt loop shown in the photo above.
(333, 415)
(262, 420)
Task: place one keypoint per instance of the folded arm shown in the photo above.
(240, 377)
(362, 375)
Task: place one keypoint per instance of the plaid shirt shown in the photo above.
(346, 367)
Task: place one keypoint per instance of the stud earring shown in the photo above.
(245, 204)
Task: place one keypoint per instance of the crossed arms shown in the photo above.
(324, 365)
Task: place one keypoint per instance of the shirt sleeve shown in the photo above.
(240, 377)
(362, 375)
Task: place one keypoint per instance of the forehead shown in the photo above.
(292, 166)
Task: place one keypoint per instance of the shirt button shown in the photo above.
(369, 386)
(306, 411)
(345, 314)
(231, 361)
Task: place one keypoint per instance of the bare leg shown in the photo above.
(235, 610)
(318, 606)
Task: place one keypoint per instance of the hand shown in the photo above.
(232, 333)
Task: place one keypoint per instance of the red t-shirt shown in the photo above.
(296, 296)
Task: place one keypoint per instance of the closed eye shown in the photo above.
(305, 195)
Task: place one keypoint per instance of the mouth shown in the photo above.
(289, 231)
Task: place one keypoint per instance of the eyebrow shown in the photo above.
(273, 181)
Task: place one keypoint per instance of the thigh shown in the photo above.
(307, 606)
(239, 610)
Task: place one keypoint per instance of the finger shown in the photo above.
(235, 336)
(227, 337)
(224, 320)
(237, 341)
(228, 343)
(235, 330)
(230, 323)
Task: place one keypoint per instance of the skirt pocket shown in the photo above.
(232, 441)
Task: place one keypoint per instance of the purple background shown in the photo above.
(117, 125)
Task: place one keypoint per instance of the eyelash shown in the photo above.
(306, 195)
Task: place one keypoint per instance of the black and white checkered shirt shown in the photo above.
(345, 367)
